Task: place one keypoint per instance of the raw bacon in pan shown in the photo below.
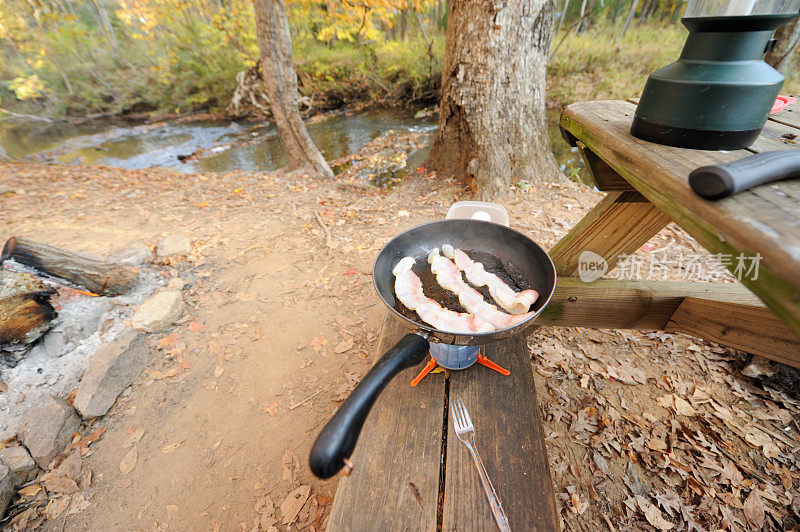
(506, 297)
(449, 277)
(408, 289)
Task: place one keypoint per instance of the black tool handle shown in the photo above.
(722, 180)
(338, 438)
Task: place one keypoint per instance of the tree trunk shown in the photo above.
(586, 17)
(646, 11)
(561, 18)
(781, 57)
(631, 13)
(492, 125)
(280, 86)
(580, 17)
(676, 11)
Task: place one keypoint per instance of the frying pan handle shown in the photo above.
(338, 438)
(722, 180)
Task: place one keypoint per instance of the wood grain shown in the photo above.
(25, 309)
(619, 224)
(726, 313)
(509, 437)
(605, 178)
(99, 276)
(789, 116)
(616, 304)
(400, 444)
(765, 220)
(755, 330)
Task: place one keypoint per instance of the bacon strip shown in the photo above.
(408, 289)
(506, 297)
(449, 277)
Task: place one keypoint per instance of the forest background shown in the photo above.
(104, 57)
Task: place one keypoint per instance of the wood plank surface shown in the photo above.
(399, 445)
(776, 136)
(509, 437)
(789, 115)
(617, 304)
(763, 221)
(755, 330)
(619, 224)
(605, 178)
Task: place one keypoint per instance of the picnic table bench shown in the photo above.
(411, 472)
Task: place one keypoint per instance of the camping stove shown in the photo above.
(456, 357)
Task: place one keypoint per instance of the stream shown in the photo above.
(191, 146)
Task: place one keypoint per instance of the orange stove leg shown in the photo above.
(427, 369)
(491, 365)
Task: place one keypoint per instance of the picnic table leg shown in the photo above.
(619, 225)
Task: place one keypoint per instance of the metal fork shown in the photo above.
(466, 433)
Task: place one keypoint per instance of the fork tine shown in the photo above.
(454, 415)
(463, 410)
(466, 415)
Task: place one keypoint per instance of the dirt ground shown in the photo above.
(644, 430)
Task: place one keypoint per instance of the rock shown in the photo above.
(135, 256)
(76, 321)
(113, 368)
(174, 245)
(7, 488)
(50, 428)
(425, 113)
(176, 283)
(19, 461)
(159, 311)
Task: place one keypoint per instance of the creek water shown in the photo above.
(221, 146)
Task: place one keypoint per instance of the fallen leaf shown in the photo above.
(754, 509)
(343, 346)
(175, 371)
(653, 514)
(317, 342)
(134, 438)
(291, 506)
(70, 467)
(30, 491)
(196, 326)
(679, 405)
(578, 505)
(758, 438)
(167, 449)
(601, 463)
(61, 485)
(683, 407)
(168, 341)
(271, 408)
(56, 507)
(86, 441)
(128, 462)
(350, 271)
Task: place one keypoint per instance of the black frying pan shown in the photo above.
(523, 258)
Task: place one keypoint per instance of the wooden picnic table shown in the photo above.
(647, 188)
(411, 472)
